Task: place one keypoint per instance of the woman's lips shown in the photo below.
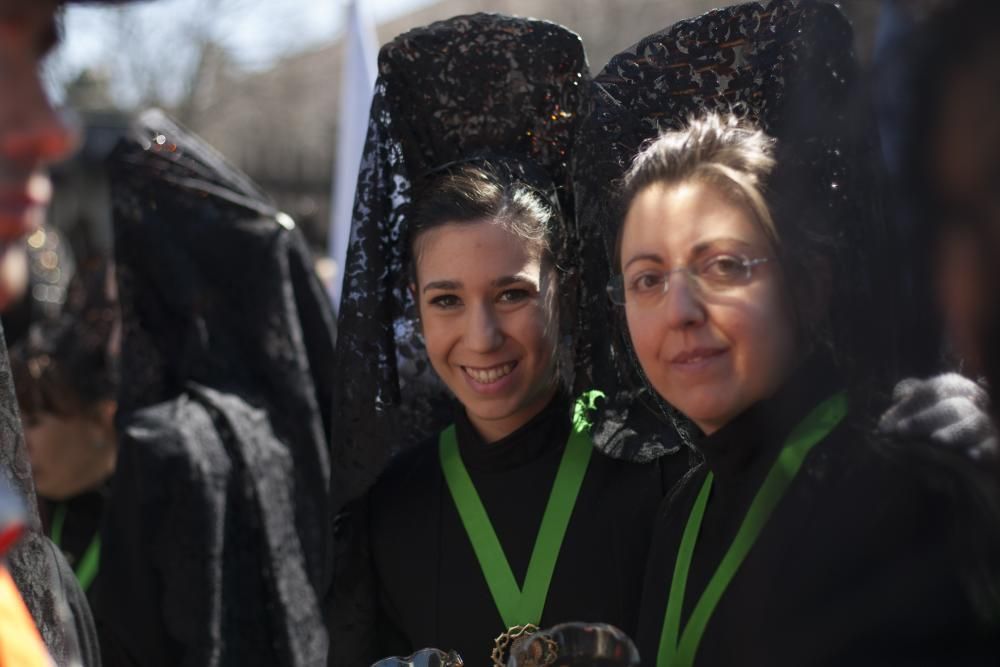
(697, 358)
(489, 380)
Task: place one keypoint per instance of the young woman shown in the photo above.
(509, 516)
(803, 539)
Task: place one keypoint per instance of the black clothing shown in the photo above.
(83, 515)
(216, 548)
(79, 624)
(430, 588)
(858, 564)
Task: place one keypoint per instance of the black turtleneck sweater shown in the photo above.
(430, 589)
(858, 564)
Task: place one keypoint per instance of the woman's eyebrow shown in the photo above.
(511, 280)
(708, 244)
(651, 256)
(442, 285)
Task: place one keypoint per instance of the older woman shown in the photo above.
(802, 539)
(756, 279)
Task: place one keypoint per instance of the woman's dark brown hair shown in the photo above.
(481, 191)
(68, 367)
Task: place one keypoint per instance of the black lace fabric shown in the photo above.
(479, 85)
(788, 65)
(218, 544)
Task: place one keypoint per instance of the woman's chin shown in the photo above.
(709, 414)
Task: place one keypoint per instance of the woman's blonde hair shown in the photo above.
(741, 160)
(720, 150)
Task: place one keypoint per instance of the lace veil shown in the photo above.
(485, 85)
(789, 66)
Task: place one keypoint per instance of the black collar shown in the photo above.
(545, 432)
(757, 435)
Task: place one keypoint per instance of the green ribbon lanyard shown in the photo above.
(517, 606)
(86, 571)
(678, 650)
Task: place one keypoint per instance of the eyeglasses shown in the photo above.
(712, 275)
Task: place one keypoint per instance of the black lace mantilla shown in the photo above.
(787, 65)
(472, 85)
(218, 546)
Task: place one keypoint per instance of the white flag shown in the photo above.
(357, 82)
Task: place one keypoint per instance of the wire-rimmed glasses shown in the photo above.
(712, 275)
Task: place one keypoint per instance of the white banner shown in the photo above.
(357, 81)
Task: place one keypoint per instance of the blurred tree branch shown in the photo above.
(148, 61)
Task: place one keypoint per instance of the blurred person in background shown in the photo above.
(955, 138)
(944, 130)
(216, 543)
(66, 377)
(32, 135)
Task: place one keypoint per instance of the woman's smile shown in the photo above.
(487, 377)
(487, 321)
(698, 359)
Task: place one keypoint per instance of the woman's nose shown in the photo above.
(683, 303)
(483, 332)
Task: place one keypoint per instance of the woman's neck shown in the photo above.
(99, 470)
(495, 429)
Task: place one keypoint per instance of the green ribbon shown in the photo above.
(677, 649)
(89, 564)
(518, 606)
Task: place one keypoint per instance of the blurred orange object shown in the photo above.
(20, 643)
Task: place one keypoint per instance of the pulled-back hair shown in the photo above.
(741, 160)
(718, 150)
(480, 191)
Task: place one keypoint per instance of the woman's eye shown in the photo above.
(724, 268)
(646, 282)
(513, 295)
(445, 301)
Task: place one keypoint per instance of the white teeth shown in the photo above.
(489, 375)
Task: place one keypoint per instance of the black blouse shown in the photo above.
(858, 564)
(430, 589)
